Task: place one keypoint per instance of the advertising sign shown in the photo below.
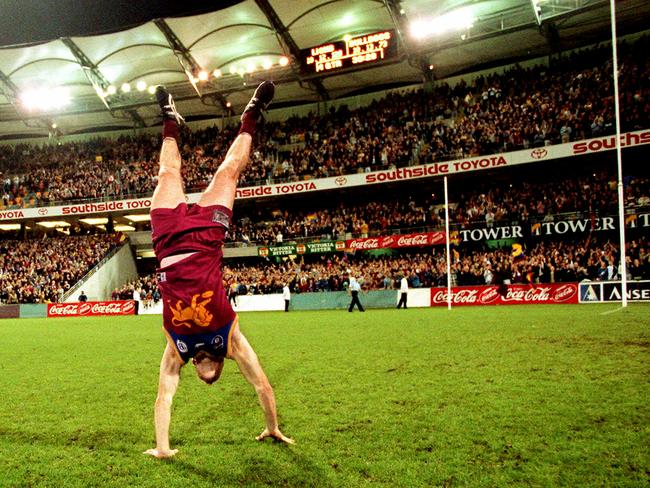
(88, 309)
(515, 295)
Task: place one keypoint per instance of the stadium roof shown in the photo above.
(240, 39)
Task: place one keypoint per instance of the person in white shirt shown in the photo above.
(137, 296)
(403, 291)
(286, 294)
(354, 288)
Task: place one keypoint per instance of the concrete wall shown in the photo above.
(117, 271)
(319, 301)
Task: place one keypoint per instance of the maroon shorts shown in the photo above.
(194, 300)
(185, 229)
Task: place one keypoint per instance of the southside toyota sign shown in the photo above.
(458, 166)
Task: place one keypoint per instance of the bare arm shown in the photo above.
(170, 367)
(249, 365)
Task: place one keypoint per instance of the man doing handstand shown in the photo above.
(198, 320)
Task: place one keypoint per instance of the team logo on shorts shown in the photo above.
(182, 347)
(222, 218)
(217, 342)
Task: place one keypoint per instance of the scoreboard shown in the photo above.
(360, 51)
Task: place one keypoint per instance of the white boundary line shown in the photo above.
(619, 309)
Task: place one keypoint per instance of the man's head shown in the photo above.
(208, 367)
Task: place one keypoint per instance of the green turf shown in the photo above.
(494, 396)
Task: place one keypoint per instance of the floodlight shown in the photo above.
(203, 75)
(53, 223)
(216, 73)
(284, 61)
(126, 88)
(228, 104)
(266, 64)
(250, 67)
(111, 90)
(233, 69)
(141, 86)
(459, 19)
(138, 217)
(151, 89)
(9, 226)
(123, 228)
(95, 220)
(45, 98)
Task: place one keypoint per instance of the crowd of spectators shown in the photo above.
(41, 271)
(144, 289)
(485, 204)
(544, 262)
(519, 108)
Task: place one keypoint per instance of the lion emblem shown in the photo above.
(196, 313)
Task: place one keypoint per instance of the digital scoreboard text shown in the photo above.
(353, 51)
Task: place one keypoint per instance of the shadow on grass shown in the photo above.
(108, 440)
(256, 470)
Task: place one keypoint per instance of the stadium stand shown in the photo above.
(41, 271)
(514, 109)
(519, 108)
(549, 262)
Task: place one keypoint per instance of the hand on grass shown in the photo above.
(276, 434)
(160, 454)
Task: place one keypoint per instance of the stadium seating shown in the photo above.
(519, 108)
(40, 271)
(546, 262)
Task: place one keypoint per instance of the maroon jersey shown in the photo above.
(194, 299)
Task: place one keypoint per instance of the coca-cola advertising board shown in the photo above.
(397, 241)
(89, 309)
(515, 295)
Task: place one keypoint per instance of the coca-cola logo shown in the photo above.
(539, 294)
(341, 180)
(110, 308)
(457, 297)
(64, 309)
(365, 244)
(414, 240)
(127, 307)
(539, 153)
(84, 308)
(488, 295)
(388, 241)
(564, 293)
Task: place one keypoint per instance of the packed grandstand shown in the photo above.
(516, 108)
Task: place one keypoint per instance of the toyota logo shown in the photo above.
(539, 153)
(42, 211)
(341, 180)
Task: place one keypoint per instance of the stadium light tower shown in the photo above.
(99, 82)
(189, 64)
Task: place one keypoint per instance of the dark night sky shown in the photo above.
(30, 21)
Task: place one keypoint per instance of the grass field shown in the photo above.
(495, 396)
